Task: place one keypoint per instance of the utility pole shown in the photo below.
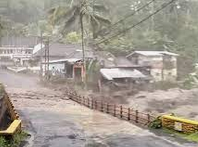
(45, 60)
(93, 27)
(71, 4)
(48, 52)
(152, 18)
(83, 51)
(41, 55)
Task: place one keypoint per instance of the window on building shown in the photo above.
(157, 74)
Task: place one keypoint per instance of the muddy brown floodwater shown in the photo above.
(181, 102)
(55, 121)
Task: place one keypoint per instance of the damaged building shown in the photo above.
(122, 77)
(163, 64)
(67, 68)
(17, 50)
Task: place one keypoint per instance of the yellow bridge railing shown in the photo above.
(15, 126)
(179, 124)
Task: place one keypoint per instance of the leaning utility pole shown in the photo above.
(41, 55)
(48, 52)
(83, 51)
(45, 60)
(47, 57)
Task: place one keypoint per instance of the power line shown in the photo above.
(135, 25)
(132, 14)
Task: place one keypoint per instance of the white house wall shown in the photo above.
(156, 74)
(170, 75)
(59, 67)
(150, 60)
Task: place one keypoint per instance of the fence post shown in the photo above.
(149, 118)
(80, 100)
(92, 104)
(76, 98)
(114, 110)
(101, 106)
(73, 96)
(136, 116)
(88, 102)
(96, 107)
(121, 111)
(129, 114)
(70, 96)
(83, 100)
(107, 108)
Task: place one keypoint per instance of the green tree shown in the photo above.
(77, 14)
(69, 17)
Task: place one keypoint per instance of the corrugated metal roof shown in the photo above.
(78, 53)
(60, 50)
(153, 53)
(123, 62)
(105, 57)
(113, 73)
(71, 60)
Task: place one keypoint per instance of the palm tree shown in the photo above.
(69, 16)
(1, 29)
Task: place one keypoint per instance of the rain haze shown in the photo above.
(98, 73)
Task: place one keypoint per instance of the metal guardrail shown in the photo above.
(11, 109)
(119, 111)
(15, 126)
(179, 124)
(135, 116)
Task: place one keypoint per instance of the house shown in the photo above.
(60, 51)
(67, 68)
(120, 74)
(65, 60)
(105, 59)
(122, 77)
(163, 64)
(69, 51)
(17, 50)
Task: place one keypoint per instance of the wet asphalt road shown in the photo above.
(61, 123)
